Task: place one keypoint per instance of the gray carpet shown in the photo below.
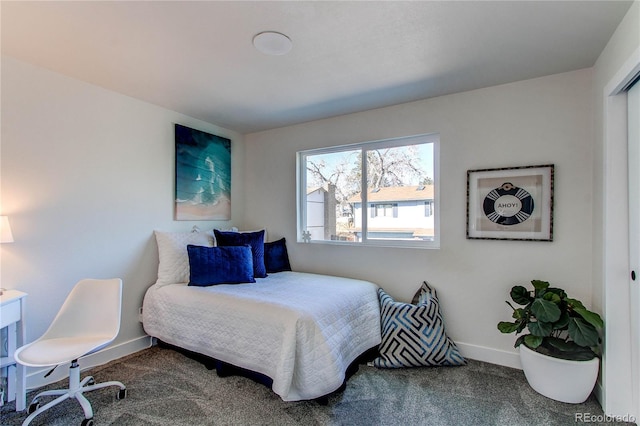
(167, 388)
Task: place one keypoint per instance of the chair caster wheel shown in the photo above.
(91, 382)
(33, 407)
(122, 394)
(87, 422)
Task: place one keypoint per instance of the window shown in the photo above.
(384, 210)
(428, 208)
(372, 193)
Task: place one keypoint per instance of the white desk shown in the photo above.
(12, 314)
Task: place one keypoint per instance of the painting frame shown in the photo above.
(202, 175)
(510, 203)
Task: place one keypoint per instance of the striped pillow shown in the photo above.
(413, 335)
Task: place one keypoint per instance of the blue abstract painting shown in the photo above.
(203, 175)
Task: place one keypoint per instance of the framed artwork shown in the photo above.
(513, 203)
(203, 175)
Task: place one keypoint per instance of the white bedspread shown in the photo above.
(302, 330)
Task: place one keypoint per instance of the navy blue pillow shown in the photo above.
(276, 257)
(220, 265)
(254, 239)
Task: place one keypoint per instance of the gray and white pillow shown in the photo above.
(413, 335)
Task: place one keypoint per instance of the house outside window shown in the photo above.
(400, 177)
(397, 213)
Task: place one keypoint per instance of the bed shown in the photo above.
(300, 330)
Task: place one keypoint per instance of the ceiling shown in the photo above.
(197, 57)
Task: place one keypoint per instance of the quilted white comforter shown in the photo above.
(302, 330)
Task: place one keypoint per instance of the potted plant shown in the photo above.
(558, 341)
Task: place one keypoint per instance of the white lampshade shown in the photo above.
(5, 230)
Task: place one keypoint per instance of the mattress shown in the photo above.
(301, 330)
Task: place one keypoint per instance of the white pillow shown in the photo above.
(172, 251)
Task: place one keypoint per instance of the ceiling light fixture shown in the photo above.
(272, 43)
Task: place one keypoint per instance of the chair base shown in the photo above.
(76, 390)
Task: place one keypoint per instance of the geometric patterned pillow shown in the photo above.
(413, 335)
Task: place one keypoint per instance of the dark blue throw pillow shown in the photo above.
(220, 265)
(276, 257)
(254, 239)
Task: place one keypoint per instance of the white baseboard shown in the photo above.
(493, 356)
(36, 379)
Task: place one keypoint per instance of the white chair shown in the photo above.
(88, 321)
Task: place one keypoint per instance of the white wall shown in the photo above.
(540, 121)
(87, 175)
(610, 254)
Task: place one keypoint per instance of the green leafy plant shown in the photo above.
(558, 326)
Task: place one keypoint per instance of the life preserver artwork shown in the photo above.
(513, 203)
(508, 205)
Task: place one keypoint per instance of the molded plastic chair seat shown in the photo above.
(88, 321)
(60, 350)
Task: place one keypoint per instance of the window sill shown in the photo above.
(430, 245)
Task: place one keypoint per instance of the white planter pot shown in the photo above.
(560, 379)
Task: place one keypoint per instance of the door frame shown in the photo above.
(617, 383)
(633, 110)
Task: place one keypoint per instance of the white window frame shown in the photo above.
(301, 188)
